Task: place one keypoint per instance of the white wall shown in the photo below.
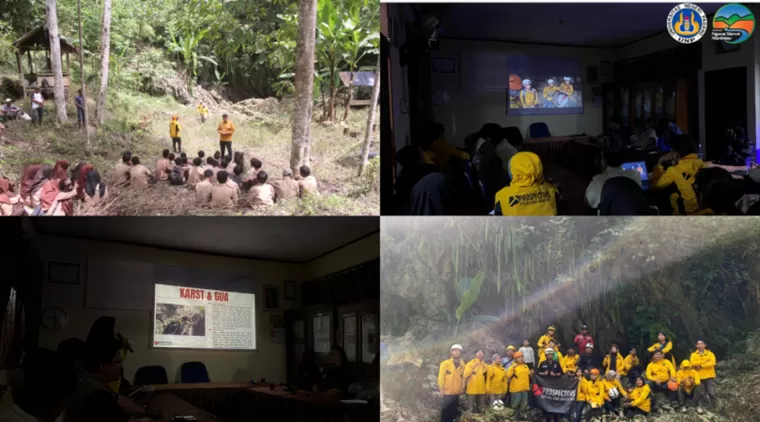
(469, 108)
(269, 361)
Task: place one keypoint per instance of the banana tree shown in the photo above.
(185, 48)
(357, 42)
(330, 26)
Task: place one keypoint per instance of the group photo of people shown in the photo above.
(619, 384)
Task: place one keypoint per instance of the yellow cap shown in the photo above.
(510, 347)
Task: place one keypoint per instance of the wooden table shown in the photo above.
(267, 404)
(201, 386)
(170, 406)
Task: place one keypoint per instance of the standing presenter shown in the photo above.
(225, 129)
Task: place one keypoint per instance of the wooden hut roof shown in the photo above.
(39, 39)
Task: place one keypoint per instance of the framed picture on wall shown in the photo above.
(63, 273)
(271, 298)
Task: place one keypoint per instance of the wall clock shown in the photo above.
(54, 318)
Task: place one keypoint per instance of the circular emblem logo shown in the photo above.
(687, 23)
(733, 24)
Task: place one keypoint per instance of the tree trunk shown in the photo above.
(333, 93)
(370, 119)
(84, 81)
(304, 81)
(350, 96)
(105, 52)
(55, 62)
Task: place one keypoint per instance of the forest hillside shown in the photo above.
(487, 283)
(236, 56)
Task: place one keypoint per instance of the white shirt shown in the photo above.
(36, 97)
(594, 190)
(528, 356)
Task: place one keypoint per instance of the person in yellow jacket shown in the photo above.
(689, 386)
(614, 391)
(614, 361)
(581, 396)
(519, 385)
(475, 373)
(567, 86)
(442, 151)
(496, 380)
(703, 361)
(549, 90)
(451, 384)
(528, 95)
(632, 368)
(570, 361)
(202, 111)
(679, 178)
(556, 355)
(226, 129)
(543, 341)
(595, 393)
(665, 346)
(174, 134)
(659, 372)
(528, 194)
(640, 400)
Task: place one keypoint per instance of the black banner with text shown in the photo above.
(555, 394)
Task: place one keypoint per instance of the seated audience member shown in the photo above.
(72, 351)
(195, 174)
(222, 194)
(667, 132)
(622, 196)
(139, 175)
(505, 151)
(287, 187)
(528, 193)
(614, 163)
(79, 175)
(338, 377)
(27, 181)
(63, 204)
(163, 165)
(11, 204)
(44, 174)
(412, 171)
(442, 150)
(307, 185)
(231, 183)
(60, 169)
(216, 169)
(225, 165)
(177, 175)
(209, 164)
(262, 193)
(186, 166)
(491, 171)
(646, 138)
(202, 156)
(10, 110)
(368, 388)
(680, 176)
(735, 148)
(120, 173)
(218, 156)
(237, 176)
(513, 136)
(203, 188)
(48, 382)
(719, 193)
(309, 374)
(255, 168)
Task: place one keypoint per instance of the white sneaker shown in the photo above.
(699, 410)
(683, 409)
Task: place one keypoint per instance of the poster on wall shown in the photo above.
(544, 86)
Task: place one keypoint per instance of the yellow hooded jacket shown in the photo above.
(450, 377)
(661, 371)
(620, 364)
(528, 194)
(582, 390)
(596, 394)
(475, 373)
(665, 350)
(682, 175)
(614, 383)
(570, 363)
(631, 362)
(688, 377)
(528, 98)
(202, 110)
(549, 91)
(706, 362)
(174, 128)
(519, 378)
(641, 398)
(496, 382)
(543, 343)
(566, 88)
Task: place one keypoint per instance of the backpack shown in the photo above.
(176, 176)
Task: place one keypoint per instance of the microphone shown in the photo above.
(143, 389)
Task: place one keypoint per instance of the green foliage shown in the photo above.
(11, 88)
(470, 290)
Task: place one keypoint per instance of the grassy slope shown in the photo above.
(140, 123)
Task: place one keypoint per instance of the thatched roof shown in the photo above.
(39, 39)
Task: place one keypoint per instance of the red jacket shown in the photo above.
(581, 341)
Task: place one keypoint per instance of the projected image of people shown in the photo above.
(180, 320)
(536, 86)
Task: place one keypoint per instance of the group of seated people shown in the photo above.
(614, 384)
(217, 180)
(45, 190)
(493, 174)
(50, 190)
